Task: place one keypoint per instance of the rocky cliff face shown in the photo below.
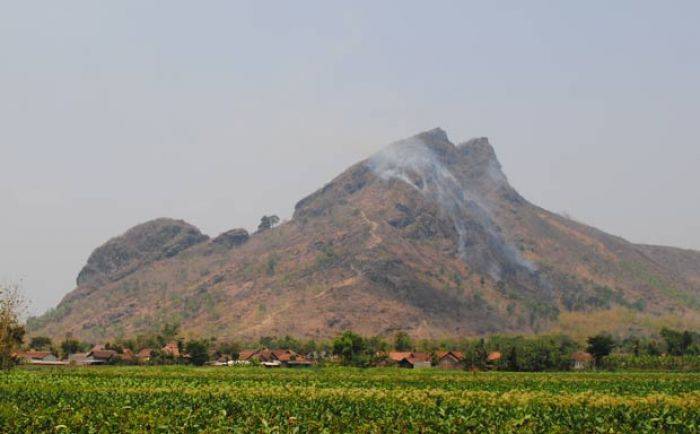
(140, 245)
(232, 238)
(424, 236)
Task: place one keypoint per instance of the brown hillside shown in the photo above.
(424, 236)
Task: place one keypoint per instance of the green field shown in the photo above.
(183, 399)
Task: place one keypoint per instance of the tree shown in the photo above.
(287, 343)
(11, 330)
(70, 346)
(512, 359)
(352, 349)
(270, 266)
(475, 355)
(150, 340)
(402, 342)
(40, 343)
(309, 347)
(686, 341)
(600, 346)
(230, 350)
(631, 344)
(198, 351)
(652, 349)
(267, 222)
(168, 333)
(677, 343)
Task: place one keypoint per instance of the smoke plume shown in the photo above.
(426, 167)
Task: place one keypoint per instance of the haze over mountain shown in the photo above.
(424, 236)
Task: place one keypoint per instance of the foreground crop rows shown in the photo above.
(344, 400)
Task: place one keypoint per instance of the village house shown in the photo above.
(38, 358)
(449, 359)
(101, 357)
(144, 355)
(409, 359)
(272, 364)
(397, 356)
(298, 361)
(261, 355)
(416, 361)
(581, 360)
(220, 359)
(267, 358)
(246, 355)
(285, 357)
(79, 359)
(275, 358)
(171, 349)
(127, 355)
(493, 358)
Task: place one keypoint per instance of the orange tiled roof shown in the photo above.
(144, 353)
(421, 357)
(34, 354)
(397, 356)
(284, 355)
(266, 355)
(582, 356)
(172, 349)
(494, 356)
(102, 354)
(458, 355)
(246, 354)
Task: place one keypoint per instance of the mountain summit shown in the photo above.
(424, 236)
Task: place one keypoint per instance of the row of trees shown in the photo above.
(350, 347)
(198, 351)
(518, 353)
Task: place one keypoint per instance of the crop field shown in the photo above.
(182, 399)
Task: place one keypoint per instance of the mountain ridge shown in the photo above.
(424, 236)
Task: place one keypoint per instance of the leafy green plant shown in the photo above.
(344, 400)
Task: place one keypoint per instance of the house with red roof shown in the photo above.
(274, 358)
(102, 357)
(581, 360)
(172, 349)
(144, 355)
(407, 359)
(38, 358)
(450, 359)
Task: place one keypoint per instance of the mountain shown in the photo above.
(424, 236)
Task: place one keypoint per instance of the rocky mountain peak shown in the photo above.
(144, 243)
(232, 238)
(437, 135)
(476, 143)
(476, 154)
(479, 151)
(435, 140)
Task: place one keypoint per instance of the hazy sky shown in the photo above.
(116, 112)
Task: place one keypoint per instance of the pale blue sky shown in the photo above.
(113, 113)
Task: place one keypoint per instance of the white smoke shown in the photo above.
(415, 163)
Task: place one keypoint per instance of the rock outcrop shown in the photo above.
(232, 238)
(140, 245)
